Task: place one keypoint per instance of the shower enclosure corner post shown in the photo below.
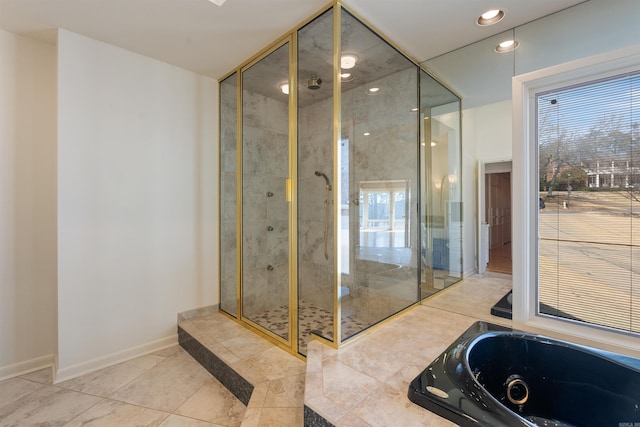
(337, 182)
(292, 194)
(419, 183)
(239, 196)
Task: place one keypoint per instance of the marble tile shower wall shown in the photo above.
(315, 153)
(264, 206)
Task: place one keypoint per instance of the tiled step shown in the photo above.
(265, 378)
(233, 381)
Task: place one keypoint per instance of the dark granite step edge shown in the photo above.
(313, 419)
(234, 382)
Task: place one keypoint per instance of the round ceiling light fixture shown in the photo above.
(373, 91)
(348, 61)
(490, 17)
(346, 77)
(507, 46)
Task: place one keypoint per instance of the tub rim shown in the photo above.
(452, 365)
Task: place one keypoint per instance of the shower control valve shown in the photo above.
(269, 194)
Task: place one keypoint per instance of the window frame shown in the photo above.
(525, 198)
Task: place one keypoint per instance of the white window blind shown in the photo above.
(588, 138)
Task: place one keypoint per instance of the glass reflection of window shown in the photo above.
(383, 207)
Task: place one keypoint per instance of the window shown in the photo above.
(576, 261)
(589, 180)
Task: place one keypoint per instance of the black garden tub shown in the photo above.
(493, 376)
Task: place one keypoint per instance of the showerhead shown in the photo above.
(314, 82)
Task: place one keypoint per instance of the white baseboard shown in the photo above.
(78, 369)
(27, 366)
(471, 272)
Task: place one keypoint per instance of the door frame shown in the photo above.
(486, 167)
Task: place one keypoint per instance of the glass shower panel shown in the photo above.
(228, 190)
(265, 209)
(378, 172)
(441, 222)
(316, 254)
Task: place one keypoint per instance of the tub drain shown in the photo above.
(517, 390)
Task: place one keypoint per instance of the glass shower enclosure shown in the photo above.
(340, 195)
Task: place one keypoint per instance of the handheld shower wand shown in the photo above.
(326, 213)
(326, 179)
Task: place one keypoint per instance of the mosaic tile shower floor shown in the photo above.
(311, 318)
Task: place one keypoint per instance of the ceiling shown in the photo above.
(200, 36)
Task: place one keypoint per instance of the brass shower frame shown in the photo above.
(291, 345)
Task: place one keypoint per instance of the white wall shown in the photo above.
(137, 201)
(27, 204)
(486, 137)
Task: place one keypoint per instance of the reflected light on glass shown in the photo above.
(507, 46)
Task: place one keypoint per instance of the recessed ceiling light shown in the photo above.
(346, 77)
(373, 91)
(284, 87)
(348, 61)
(218, 2)
(490, 17)
(433, 143)
(414, 109)
(366, 134)
(507, 46)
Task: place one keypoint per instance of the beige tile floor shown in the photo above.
(169, 389)
(360, 385)
(166, 388)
